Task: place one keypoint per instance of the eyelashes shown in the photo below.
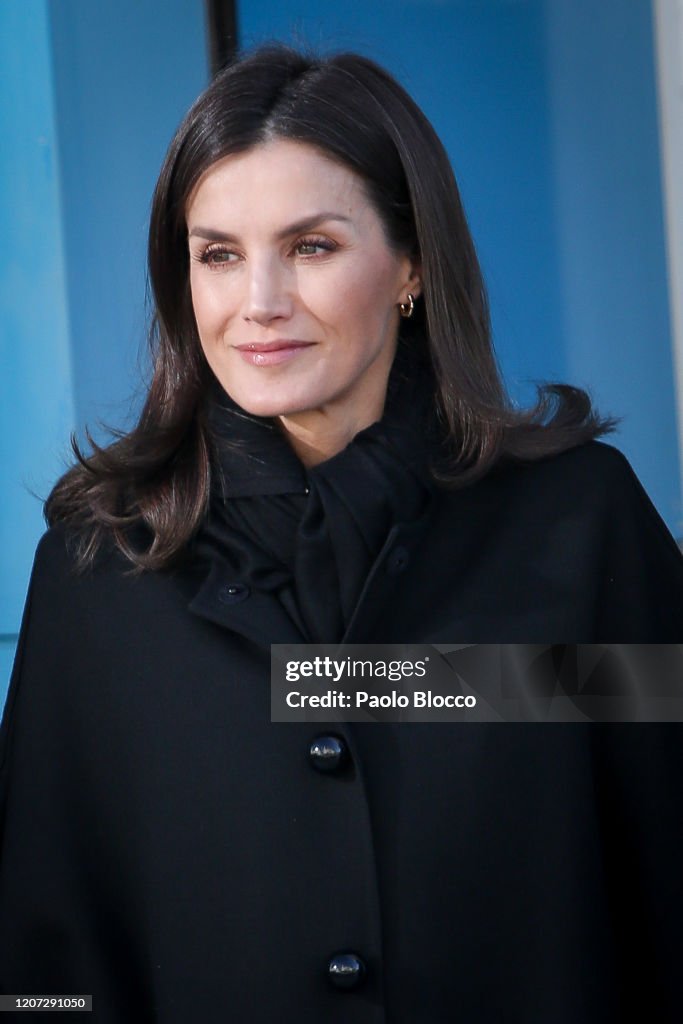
(314, 242)
(217, 255)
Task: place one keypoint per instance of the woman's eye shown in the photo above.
(217, 257)
(313, 246)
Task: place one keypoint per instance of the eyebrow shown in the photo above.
(306, 224)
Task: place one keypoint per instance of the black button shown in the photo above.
(398, 560)
(346, 970)
(233, 593)
(328, 753)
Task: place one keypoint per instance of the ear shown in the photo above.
(412, 281)
(415, 283)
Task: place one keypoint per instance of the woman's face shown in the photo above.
(294, 286)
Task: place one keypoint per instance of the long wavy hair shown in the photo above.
(158, 475)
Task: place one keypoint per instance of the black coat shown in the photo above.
(169, 850)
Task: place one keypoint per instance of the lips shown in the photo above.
(272, 346)
(272, 353)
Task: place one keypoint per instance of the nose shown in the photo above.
(268, 294)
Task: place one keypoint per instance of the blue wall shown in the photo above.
(548, 110)
(92, 94)
(36, 397)
(125, 73)
(609, 224)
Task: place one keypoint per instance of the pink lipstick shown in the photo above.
(271, 353)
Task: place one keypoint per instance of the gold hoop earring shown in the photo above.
(406, 308)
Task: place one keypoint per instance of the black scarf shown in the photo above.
(312, 535)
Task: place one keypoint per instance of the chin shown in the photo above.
(268, 404)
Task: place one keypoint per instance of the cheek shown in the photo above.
(212, 304)
(354, 298)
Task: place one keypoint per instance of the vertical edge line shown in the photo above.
(221, 32)
(668, 36)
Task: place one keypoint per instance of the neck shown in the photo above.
(318, 435)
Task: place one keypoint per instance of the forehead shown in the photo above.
(275, 179)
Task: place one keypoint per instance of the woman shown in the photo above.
(326, 453)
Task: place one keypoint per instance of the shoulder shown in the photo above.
(597, 481)
(76, 620)
(579, 530)
(594, 488)
(589, 495)
(600, 476)
(58, 551)
(595, 462)
(64, 594)
(56, 559)
(593, 479)
(55, 551)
